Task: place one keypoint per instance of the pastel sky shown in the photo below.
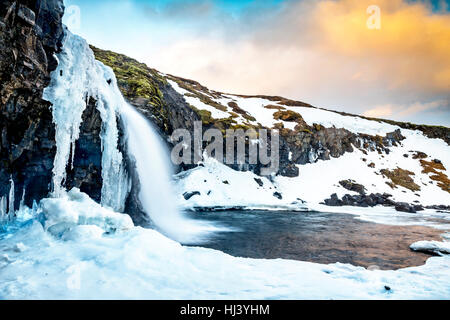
(318, 51)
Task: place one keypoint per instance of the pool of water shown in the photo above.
(316, 237)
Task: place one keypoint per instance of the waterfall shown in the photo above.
(78, 78)
(154, 170)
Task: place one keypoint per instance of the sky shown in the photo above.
(392, 61)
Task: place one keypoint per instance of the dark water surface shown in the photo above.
(316, 237)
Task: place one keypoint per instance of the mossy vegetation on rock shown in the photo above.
(139, 84)
(402, 178)
(436, 170)
(135, 79)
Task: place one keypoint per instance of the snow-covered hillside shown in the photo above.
(412, 170)
(221, 186)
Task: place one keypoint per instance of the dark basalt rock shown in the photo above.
(334, 201)
(86, 171)
(290, 171)
(442, 208)
(319, 143)
(351, 185)
(259, 182)
(405, 207)
(30, 35)
(189, 195)
(278, 195)
(372, 200)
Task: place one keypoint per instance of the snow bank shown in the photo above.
(221, 186)
(434, 247)
(353, 124)
(74, 209)
(142, 264)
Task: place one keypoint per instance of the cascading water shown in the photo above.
(80, 77)
(154, 171)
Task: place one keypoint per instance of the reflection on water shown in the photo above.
(317, 237)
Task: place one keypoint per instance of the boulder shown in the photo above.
(188, 195)
(278, 195)
(334, 201)
(351, 185)
(405, 207)
(27, 15)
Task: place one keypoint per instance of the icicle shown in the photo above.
(67, 92)
(11, 199)
(83, 78)
(116, 184)
(22, 201)
(3, 209)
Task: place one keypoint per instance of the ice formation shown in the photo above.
(78, 78)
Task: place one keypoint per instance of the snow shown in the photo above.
(330, 119)
(195, 102)
(435, 247)
(264, 116)
(109, 260)
(70, 247)
(76, 208)
(317, 181)
(255, 107)
(311, 188)
(221, 186)
(311, 115)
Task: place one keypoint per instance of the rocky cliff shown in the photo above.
(30, 34)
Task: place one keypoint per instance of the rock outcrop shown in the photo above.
(372, 200)
(31, 33)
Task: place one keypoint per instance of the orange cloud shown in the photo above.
(411, 49)
(399, 111)
(323, 52)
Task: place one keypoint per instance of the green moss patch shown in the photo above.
(135, 79)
